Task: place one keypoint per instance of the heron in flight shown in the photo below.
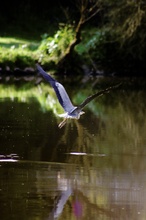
(71, 111)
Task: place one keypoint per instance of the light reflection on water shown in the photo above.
(93, 168)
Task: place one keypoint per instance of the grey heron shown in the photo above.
(71, 111)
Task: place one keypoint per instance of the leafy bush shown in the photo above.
(16, 57)
(55, 46)
(89, 39)
(96, 44)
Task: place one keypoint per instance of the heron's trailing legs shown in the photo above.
(62, 123)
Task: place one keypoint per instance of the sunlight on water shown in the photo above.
(92, 168)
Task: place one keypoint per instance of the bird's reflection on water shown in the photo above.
(61, 191)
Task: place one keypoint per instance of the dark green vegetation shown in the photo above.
(75, 36)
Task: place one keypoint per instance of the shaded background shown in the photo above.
(23, 16)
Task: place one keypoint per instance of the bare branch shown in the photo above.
(92, 15)
(88, 11)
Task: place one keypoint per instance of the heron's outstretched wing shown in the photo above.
(100, 93)
(59, 90)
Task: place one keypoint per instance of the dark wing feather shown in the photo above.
(102, 92)
(59, 90)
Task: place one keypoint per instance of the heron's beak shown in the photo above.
(81, 113)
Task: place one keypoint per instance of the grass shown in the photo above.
(11, 43)
(17, 52)
(19, 42)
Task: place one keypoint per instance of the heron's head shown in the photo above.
(80, 113)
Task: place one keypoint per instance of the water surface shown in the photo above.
(93, 168)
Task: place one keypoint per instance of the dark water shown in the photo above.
(93, 168)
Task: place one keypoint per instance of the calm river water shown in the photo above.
(93, 168)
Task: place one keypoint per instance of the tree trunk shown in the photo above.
(87, 11)
(68, 53)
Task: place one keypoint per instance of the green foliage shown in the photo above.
(16, 57)
(19, 53)
(127, 19)
(93, 41)
(97, 47)
(119, 41)
(55, 46)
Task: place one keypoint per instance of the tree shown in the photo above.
(87, 9)
(126, 18)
